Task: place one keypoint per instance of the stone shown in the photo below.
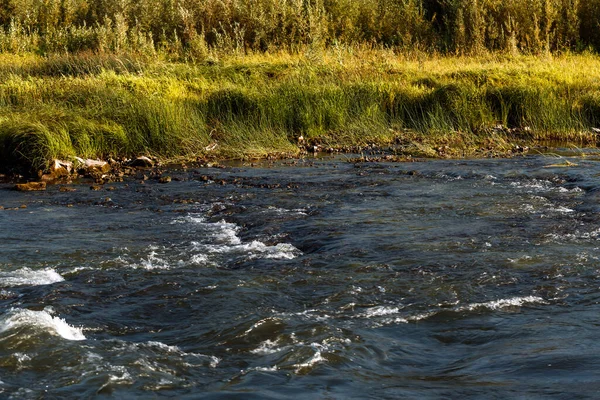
(99, 166)
(59, 168)
(93, 167)
(165, 179)
(47, 177)
(30, 186)
(143, 162)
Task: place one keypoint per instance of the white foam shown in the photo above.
(29, 277)
(154, 262)
(562, 209)
(577, 235)
(22, 318)
(317, 358)
(246, 371)
(165, 347)
(504, 303)
(383, 316)
(380, 311)
(252, 250)
(310, 315)
(284, 211)
(534, 185)
(390, 314)
(267, 347)
(221, 231)
(267, 369)
(21, 357)
(159, 347)
(222, 238)
(199, 259)
(78, 269)
(520, 259)
(355, 290)
(281, 251)
(576, 189)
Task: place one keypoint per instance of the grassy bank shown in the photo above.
(244, 106)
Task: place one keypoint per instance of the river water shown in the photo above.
(308, 279)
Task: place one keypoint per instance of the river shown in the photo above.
(317, 278)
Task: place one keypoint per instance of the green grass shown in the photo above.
(249, 106)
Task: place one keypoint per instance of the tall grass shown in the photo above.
(252, 105)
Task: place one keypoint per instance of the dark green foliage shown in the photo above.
(231, 104)
(589, 17)
(24, 144)
(509, 104)
(188, 29)
(591, 108)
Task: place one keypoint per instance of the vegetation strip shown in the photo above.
(188, 79)
(193, 29)
(251, 106)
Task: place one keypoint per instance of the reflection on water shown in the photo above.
(321, 279)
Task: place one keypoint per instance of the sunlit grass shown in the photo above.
(246, 106)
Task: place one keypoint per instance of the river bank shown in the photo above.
(112, 107)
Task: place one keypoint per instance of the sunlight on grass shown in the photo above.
(251, 106)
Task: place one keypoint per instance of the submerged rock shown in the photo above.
(30, 186)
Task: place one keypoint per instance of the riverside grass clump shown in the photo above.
(253, 105)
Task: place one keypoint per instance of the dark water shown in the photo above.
(324, 279)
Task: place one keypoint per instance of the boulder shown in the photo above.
(30, 186)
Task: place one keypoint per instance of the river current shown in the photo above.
(316, 279)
